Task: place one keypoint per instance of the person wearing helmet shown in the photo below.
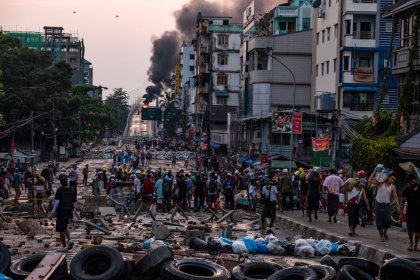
(286, 187)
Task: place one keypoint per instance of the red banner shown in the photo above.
(297, 122)
(320, 144)
(264, 158)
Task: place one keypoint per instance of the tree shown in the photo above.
(169, 100)
(118, 103)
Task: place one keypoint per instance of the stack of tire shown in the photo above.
(352, 268)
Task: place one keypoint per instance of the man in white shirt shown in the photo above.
(137, 184)
(332, 185)
(269, 196)
(74, 176)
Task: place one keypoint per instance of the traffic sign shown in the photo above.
(151, 114)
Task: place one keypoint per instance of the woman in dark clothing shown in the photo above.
(313, 195)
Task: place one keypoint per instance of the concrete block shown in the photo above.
(161, 232)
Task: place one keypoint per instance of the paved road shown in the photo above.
(139, 127)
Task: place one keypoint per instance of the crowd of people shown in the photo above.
(210, 186)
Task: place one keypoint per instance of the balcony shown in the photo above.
(363, 74)
(357, 6)
(286, 11)
(232, 28)
(401, 60)
(363, 35)
(359, 106)
(204, 68)
(204, 89)
(204, 49)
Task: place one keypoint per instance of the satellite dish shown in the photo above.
(316, 3)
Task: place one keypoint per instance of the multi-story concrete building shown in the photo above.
(187, 92)
(62, 46)
(276, 77)
(406, 64)
(217, 45)
(351, 57)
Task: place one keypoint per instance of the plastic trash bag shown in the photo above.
(262, 248)
(270, 237)
(323, 247)
(312, 242)
(214, 245)
(334, 248)
(225, 241)
(4, 277)
(304, 251)
(239, 247)
(260, 239)
(251, 244)
(198, 244)
(301, 242)
(146, 244)
(275, 248)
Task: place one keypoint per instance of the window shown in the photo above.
(222, 59)
(348, 26)
(317, 38)
(221, 100)
(328, 33)
(316, 70)
(306, 23)
(323, 36)
(322, 69)
(335, 65)
(364, 62)
(336, 30)
(329, 3)
(327, 66)
(282, 26)
(358, 101)
(262, 62)
(223, 40)
(192, 56)
(192, 68)
(222, 79)
(346, 63)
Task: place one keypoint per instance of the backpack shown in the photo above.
(212, 187)
(167, 186)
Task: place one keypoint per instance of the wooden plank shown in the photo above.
(46, 268)
(93, 226)
(225, 216)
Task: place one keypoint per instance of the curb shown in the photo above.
(367, 251)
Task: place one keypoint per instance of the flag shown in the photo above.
(320, 143)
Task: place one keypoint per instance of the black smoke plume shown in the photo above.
(167, 47)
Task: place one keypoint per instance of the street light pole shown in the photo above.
(293, 106)
(163, 108)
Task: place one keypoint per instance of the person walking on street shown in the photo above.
(173, 161)
(85, 173)
(211, 192)
(252, 195)
(229, 190)
(74, 176)
(147, 190)
(355, 197)
(63, 210)
(269, 195)
(313, 195)
(17, 185)
(411, 195)
(199, 193)
(286, 189)
(167, 191)
(332, 185)
(159, 192)
(182, 191)
(385, 192)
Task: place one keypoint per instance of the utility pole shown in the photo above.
(32, 131)
(55, 130)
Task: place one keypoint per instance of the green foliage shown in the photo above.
(386, 124)
(368, 152)
(118, 104)
(169, 100)
(31, 83)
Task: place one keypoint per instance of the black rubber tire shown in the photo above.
(129, 265)
(349, 272)
(328, 261)
(254, 270)
(153, 261)
(21, 268)
(296, 272)
(4, 258)
(369, 267)
(324, 272)
(400, 269)
(193, 269)
(98, 262)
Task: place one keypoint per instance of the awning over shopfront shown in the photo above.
(363, 89)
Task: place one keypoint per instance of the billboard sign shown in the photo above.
(281, 122)
(177, 79)
(320, 143)
(297, 122)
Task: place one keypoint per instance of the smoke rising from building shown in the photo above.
(165, 49)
